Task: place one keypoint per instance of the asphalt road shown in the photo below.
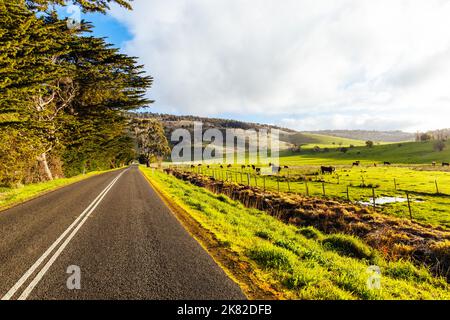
(125, 241)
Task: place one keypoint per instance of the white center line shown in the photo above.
(86, 213)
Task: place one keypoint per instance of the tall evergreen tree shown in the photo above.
(86, 5)
(63, 93)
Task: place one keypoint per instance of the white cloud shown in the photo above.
(325, 64)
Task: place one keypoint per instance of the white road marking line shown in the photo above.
(36, 265)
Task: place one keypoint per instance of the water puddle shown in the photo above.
(385, 200)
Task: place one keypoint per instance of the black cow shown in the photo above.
(229, 166)
(270, 164)
(243, 166)
(387, 163)
(192, 166)
(253, 167)
(356, 163)
(433, 163)
(286, 167)
(326, 170)
(258, 170)
(200, 165)
(221, 166)
(445, 164)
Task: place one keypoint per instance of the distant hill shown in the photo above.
(170, 120)
(173, 122)
(380, 136)
(288, 138)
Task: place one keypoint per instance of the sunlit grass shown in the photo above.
(301, 263)
(12, 196)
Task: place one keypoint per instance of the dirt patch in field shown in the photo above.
(395, 238)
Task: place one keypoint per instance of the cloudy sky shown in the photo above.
(304, 64)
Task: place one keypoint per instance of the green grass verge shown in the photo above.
(300, 263)
(10, 197)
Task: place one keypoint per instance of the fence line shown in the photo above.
(286, 183)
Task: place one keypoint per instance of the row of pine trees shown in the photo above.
(63, 94)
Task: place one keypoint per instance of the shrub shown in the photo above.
(263, 235)
(286, 244)
(405, 270)
(348, 246)
(269, 256)
(439, 145)
(310, 233)
(301, 278)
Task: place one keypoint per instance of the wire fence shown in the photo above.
(367, 191)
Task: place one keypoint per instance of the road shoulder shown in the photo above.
(239, 271)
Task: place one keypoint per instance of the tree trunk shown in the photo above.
(42, 159)
(148, 163)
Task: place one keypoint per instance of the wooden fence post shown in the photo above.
(437, 187)
(374, 199)
(248, 179)
(409, 205)
(323, 189)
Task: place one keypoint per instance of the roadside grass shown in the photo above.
(10, 197)
(300, 263)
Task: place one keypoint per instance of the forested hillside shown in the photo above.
(63, 94)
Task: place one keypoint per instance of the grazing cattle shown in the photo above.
(258, 170)
(199, 165)
(192, 166)
(279, 169)
(270, 164)
(326, 170)
(286, 167)
(445, 164)
(356, 163)
(243, 166)
(207, 166)
(433, 163)
(248, 166)
(229, 166)
(387, 163)
(375, 165)
(221, 166)
(253, 167)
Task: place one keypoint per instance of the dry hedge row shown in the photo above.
(394, 237)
